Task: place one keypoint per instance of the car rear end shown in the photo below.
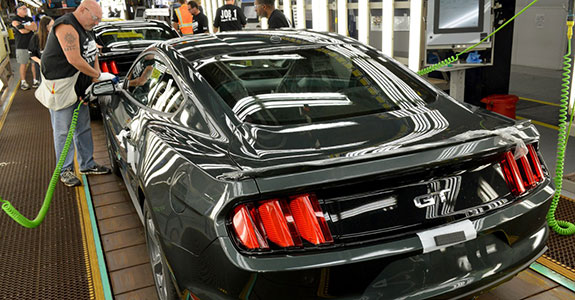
(373, 185)
(448, 224)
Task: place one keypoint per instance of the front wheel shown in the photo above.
(164, 285)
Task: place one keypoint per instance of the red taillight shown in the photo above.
(275, 223)
(535, 163)
(310, 220)
(511, 172)
(246, 230)
(104, 67)
(113, 67)
(281, 221)
(524, 173)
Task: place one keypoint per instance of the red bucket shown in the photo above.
(502, 104)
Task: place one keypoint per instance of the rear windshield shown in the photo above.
(306, 85)
(122, 35)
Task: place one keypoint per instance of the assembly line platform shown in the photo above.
(91, 244)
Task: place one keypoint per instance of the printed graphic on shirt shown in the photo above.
(90, 50)
(229, 15)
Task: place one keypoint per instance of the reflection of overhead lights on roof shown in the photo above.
(261, 57)
(252, 104)
(34, 3)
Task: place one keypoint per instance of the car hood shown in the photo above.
(443, 122)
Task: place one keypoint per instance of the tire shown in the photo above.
(160, 271)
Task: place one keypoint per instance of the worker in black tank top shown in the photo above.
(55, 64)
(70, 49)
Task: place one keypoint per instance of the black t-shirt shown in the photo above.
(34, 47)
(174, 14)
(54, 62)
(39, 16)
(22, 40)
(200, 23)
(229, 17)
(277, 20)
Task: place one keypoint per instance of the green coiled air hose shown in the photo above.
(562, 227)
(15, 214)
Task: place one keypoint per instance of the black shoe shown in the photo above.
(69, 179)
(96, 170)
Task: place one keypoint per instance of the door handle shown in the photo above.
(126, 133)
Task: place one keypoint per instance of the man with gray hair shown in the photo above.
(69, 66)
(24, 27)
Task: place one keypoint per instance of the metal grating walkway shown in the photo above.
(51, 261)
(561, 254)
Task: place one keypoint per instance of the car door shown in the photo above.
(128, 110)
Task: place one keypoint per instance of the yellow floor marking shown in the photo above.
(90, 255)
(539, 123)
(540, 101)
(556, 266)
(8, 107)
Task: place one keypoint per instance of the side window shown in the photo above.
(166, 96)
(144, 78)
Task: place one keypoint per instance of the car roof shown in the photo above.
(203, 46)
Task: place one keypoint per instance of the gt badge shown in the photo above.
(431, 199)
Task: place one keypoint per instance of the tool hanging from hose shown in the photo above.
(15, 214)
(559, 226)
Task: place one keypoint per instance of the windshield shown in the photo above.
(121, 35)
(307, 85)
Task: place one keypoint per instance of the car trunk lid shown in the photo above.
(395, 174)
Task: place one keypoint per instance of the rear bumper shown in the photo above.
(508, 241)
(504, 220)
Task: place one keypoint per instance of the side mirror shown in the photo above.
(103, 88)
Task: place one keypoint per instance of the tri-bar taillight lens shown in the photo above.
(109, 67)
(291, 222)
(524, 173)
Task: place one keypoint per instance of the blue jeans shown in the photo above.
(83, 143)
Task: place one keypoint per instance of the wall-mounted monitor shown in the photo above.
(139, 13)
(250, 12)
(457, 22)
(249, 9)
(458, 16)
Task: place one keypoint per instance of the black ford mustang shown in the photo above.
(301, 165)
(123, 41)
